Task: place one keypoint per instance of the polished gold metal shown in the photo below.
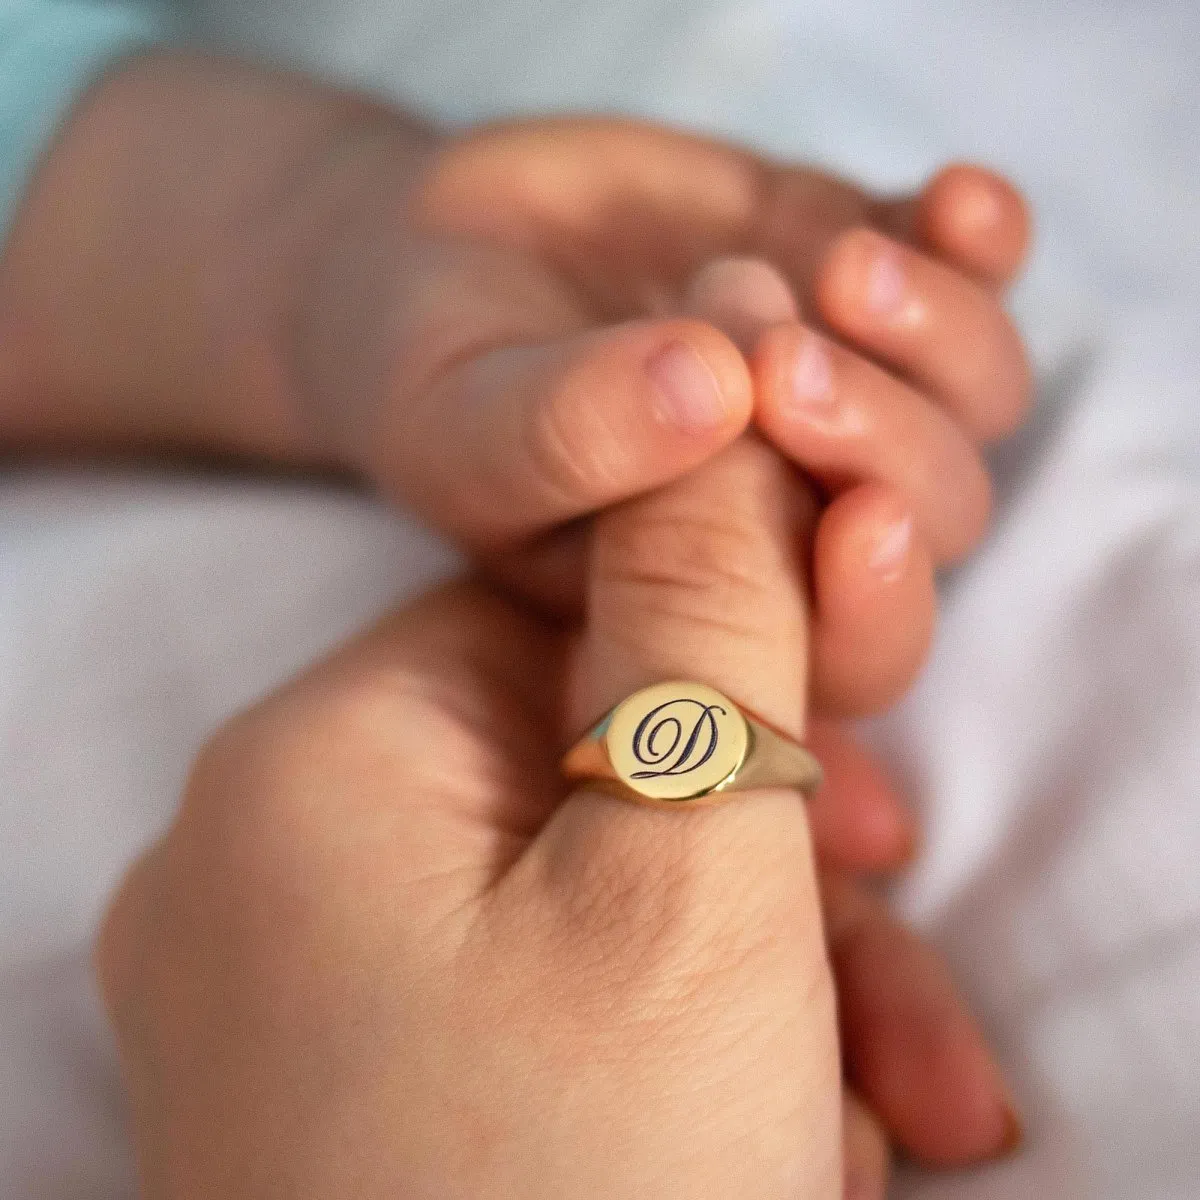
(686, 743)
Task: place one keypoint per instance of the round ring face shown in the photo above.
(676, 741)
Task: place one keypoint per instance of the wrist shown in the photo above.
(165, 252)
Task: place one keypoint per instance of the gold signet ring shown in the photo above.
(681, 743)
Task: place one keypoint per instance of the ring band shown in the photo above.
(684, 743)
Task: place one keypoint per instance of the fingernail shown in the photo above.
(812, 375)
(687, 394)
(886, 286)
(812, 397)
(889, 552)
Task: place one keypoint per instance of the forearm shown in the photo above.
(164, 252)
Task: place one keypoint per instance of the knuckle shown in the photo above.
(700, 571)
(702, 555)
(303, 737)
(614, 894)
(262, 789)
(278, 799)
(261, 858)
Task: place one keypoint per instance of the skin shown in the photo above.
(500, 375)
(356, 966)
(495, 373)
(449, 982)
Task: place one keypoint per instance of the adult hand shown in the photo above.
(377, 954)
(377, 951)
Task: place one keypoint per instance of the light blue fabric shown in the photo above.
(50, 52)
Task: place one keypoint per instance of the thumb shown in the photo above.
(476, 389)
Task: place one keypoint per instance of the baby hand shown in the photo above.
(539, 365)
(491, 328)
(886, 364)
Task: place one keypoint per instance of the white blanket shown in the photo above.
(1054, 742)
